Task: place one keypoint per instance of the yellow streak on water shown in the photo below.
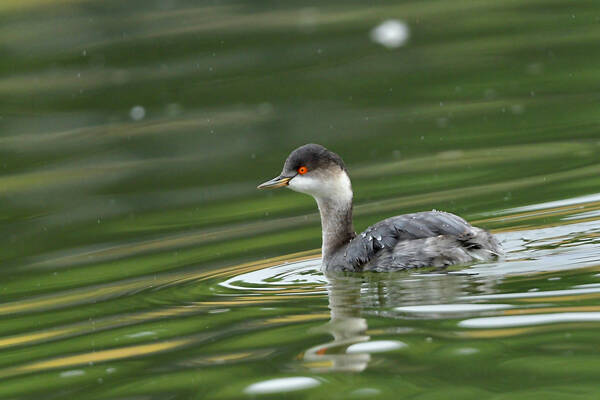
(78, 296)
(87, 294)
(561, 298)
(543, 226)
(560, 210)
(94, 357)
(552, 310)
(131, 351)
(74, 297)
(494, 333)
(12, 5)
(130, 319)
(466, 192)
(227, 357)
(33, 337)
(296, 318)
(319, 364)
(241, 301)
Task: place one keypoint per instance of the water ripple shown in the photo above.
(288, 278)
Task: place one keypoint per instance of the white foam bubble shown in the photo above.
(281, 385)
(527, 320)
(548, 293)
(452, 308)
(375, 346)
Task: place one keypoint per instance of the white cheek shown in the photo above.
(334, 187)
(304, 184)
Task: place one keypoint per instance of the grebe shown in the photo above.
(423, 239)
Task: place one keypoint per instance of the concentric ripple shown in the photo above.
(288, 278)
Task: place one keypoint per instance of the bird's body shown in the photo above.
(424, 239)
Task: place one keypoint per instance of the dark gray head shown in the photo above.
(313, 157)
(314, 170)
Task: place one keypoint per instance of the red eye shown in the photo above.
(302, 170)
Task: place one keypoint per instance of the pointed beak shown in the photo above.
(275, 183)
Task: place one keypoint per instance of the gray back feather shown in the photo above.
(388, 233)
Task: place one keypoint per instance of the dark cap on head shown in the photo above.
(312, 156)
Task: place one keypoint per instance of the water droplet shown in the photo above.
(137, 113)
(392, 33)
(72, 373)
(465, 351)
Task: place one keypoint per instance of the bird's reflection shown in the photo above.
(352, 297)
(346, 326)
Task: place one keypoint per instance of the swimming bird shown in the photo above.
(422, 239)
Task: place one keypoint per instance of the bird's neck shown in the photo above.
(336, 221)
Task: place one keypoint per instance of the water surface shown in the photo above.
(139, 261)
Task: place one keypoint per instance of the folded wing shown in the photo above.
(386, 235)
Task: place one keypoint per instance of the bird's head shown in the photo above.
(314, 170)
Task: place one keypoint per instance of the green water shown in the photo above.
(139, 262)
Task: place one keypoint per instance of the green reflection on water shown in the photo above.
(119, 233)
